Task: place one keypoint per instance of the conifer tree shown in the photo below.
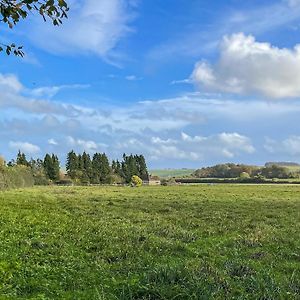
(21, 159)
(118, 168)
(114, 166)
(55, 167)
(96, 165)
(51, 166)
(105, 169)
(72, 164)
(87, 166)
(142, 167)
(100, 168)
(48, 165)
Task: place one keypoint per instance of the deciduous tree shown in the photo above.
(12, 11)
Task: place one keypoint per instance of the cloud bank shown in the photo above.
(189, 130)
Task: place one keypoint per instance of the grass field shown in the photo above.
(182, 242)
(164, 173)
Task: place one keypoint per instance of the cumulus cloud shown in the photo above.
(247, 67)
(288, 146)
(25, 147)
(92, 27)
(85, 145)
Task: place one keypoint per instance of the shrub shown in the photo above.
(168, 182)
(136, 181)
(2, 162)
(244, 175)
(65, 182)
(115, 179)
(15, 177)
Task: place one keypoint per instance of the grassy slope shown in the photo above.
(293, 168)
(182, 242)
(163, 173)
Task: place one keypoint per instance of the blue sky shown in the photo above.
(186, 83)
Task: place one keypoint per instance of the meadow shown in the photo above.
(179, 242)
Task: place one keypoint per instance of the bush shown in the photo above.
(115, 179)
(136, 181)
(168, 182)
(41, 180)
(244, 175)
(65, 182)
(15, 177)
(2, 162)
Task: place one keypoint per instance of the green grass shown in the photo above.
(182, 242)
(164, 173)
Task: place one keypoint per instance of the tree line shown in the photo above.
(98, 170)
(230, 170)
(84, 169)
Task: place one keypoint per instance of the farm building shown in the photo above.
(152, 180)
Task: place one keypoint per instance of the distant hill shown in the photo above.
(165, 173)
(282, 164)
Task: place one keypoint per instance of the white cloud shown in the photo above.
(223, 144)
(236, 141)
(250, 67)
(159, 141)
(163, 130)
(219, 147)
(132, 78)
(85, 145)
(52, 142)
(289, 146)
(10, 82)
(51, 91)
(92, 27)
(182, 81)
(165, 115)
(26, 147)
(15, 95)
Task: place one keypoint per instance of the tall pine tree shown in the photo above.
(21, 159)
(55, 167)
(87, 166)
(72, 164)
(100, 168)
(51, 166)
(142, 167)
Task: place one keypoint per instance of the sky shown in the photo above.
(186, 83)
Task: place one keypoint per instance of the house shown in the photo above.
(152, 180)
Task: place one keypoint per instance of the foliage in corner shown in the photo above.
(12, 11)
